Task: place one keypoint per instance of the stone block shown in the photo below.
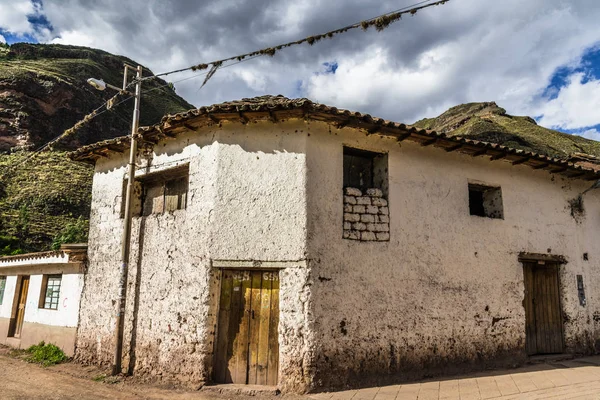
(367, 218)
(364, 200)
(382, 227)
(383, 236)
(379, 202)
(349, 200)
(349, 217)
(346, 234)
(384, 218)
(347, 226)
(372, 210)
(384, 210)
(366, 235)
(348, 208)
(359, 226)
(353, 192)
(354, 235)
(358, 209)
(374, 192)
(371, 227)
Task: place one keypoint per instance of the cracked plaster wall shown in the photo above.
(445, 293)
(246, 202)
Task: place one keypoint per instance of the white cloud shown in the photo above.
(576, 106)
(464, 51)
(2, 40)
(13, 17)
(593, 134)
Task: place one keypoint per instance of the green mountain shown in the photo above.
(490, 123)
(43, 91)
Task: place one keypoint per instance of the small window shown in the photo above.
(50, 292)
(2, 287)
(365, 170)
(485, 201)
(159, 192)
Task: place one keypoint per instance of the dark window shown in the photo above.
(485, 201)
(50, 292)
(365, 169)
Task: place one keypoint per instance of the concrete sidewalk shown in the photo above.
(573, 379)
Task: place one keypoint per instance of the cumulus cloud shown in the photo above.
(14, 15)
(575, 106)
(2, 40)
(466, 50)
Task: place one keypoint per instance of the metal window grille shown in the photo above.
(52, 292)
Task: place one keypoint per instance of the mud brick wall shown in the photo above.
(366, 217)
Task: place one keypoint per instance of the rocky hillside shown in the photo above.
(490, 123)
(43, 91)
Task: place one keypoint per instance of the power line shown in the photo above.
(379, 22)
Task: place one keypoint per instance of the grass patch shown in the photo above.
(99, 378)
(46, 354)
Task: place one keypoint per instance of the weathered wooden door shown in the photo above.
(247, 348)
(543, 316)
(19, 313)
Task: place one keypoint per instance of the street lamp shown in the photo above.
(126, 238)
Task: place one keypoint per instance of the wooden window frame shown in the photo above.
(44, 290)
(161, 180)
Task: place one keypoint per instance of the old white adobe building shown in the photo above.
(288, 243)
(39, 297)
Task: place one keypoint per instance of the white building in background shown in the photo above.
(39, 297)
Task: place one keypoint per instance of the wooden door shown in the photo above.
(19, 312)
(247, 347)
(543, 316)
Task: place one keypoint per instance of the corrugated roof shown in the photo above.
(279, 108)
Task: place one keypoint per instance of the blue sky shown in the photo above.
(539, 58)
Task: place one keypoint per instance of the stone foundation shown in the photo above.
(366, 217)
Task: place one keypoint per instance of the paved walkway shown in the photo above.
(574, 379)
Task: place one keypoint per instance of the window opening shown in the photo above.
(366, 213)
(2, 287)
(50, 292)
(485, 201)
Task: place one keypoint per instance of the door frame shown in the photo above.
(12, 326)
(219, 287)
(548, 261)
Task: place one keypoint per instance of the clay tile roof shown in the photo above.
(278, 108)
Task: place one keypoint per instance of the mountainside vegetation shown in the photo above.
(43, 91)
(490, 123)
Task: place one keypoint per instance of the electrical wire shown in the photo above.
(380, 22)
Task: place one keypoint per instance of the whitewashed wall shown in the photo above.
(67, 313)
(9, 293)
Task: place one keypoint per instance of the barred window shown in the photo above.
(50, 292)
(2, 287)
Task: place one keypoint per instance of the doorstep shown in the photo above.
(13, 342)
(239, 389)
(549, 358)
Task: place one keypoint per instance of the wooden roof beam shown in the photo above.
(400, 138)
(521, 161)
(479, 153)
(189, 127)
(497, 157)
(272, 116)
(243, 119)
(453, 148)
(213, 118)
(541, 166)
(373, 129)
(429, 142)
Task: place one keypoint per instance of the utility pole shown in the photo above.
(126, 238)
